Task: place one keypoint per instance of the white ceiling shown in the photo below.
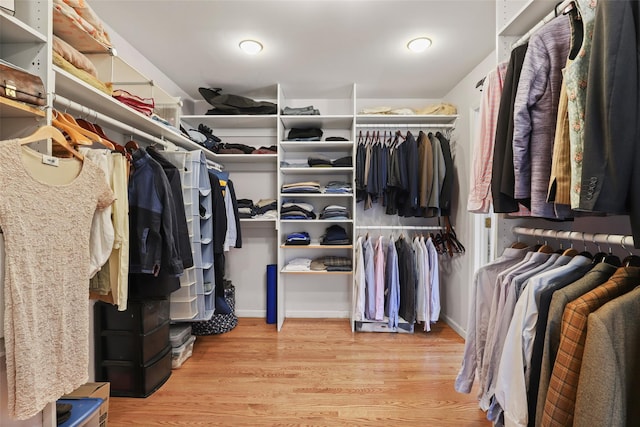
(314, 44)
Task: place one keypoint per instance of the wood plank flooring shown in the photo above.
(313, 373)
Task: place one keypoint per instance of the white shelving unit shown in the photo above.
(309, 293)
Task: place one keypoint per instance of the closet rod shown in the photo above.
(556, 10)
(399, 227)
(405, 125)
(81, 109)
(577, 236)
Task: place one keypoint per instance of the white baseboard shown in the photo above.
(251, 313)
(319, 314)
(459, 329)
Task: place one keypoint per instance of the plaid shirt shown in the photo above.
(561, 397)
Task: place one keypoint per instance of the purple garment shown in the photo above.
(535, 111)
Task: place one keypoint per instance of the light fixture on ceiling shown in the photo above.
(250, 46)
(419, 44)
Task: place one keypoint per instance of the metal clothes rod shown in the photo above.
(399, 227)
(67, 103)
(561, 7)
(577, 236)
(406, 125)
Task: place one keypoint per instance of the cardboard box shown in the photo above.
(100, 390)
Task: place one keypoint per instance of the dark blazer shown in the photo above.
(611, 160)
(502, 178)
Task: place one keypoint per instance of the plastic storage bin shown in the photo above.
(140, 316)
(129, 346)
(129, 379)
(182, 353)
(179, 334)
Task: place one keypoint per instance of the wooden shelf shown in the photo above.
(10, 108)
(322, 122)
(527, 17)
(13, 30)
(432, 119)
(233, 122)
(298, 195)
(315, 146)
(316, 246)
(317, 272)
(313, 171)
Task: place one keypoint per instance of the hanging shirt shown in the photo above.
(434, 281)
(359, 283)
(392, 280)
(513, 372)
(370, 277)
(379, 261)
(477, 324)
(479, 199)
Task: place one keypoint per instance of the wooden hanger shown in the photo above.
(75, 136)
(90, 129)
(631, 260)
(49, 132)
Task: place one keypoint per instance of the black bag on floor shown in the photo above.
(219, 323)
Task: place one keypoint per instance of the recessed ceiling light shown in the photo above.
(250, 46)
(419, 45)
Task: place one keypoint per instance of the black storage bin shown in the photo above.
(133, 347)
(129, 379)
(140, 317)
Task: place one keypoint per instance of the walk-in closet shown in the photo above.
(331, 213)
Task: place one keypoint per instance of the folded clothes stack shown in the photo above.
(267, 208)
(322, 161)
(301, 238)
(298, 264)
(310, 134)
(334, 212)
(338, 187)
(300, 111)
(297, 210)
(246, 208)
(302, 187)
(331, 263)
(335, 235)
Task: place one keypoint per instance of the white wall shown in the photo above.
(456, 273)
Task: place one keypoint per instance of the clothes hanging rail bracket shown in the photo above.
(559, 7)
(576, 236)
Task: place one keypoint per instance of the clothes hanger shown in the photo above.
(560, 250)
(71, 121)
(50, 132)
(631, 260)
(599, 256)
(75, 136)
(545, 248)
(585, 253)
(611, 258)
(103, 140)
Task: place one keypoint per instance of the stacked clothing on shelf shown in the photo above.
(309, 110)
(301, 238)
(335, 235)
(246, 208)
(267, 208)
(297, 210)
(298, 264)
(301, 187)
(338, 187)
(331, 263)
(320, 160)
(310, 134)
(334, 212)
(231, 104)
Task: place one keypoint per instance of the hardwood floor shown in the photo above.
(313, 373)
